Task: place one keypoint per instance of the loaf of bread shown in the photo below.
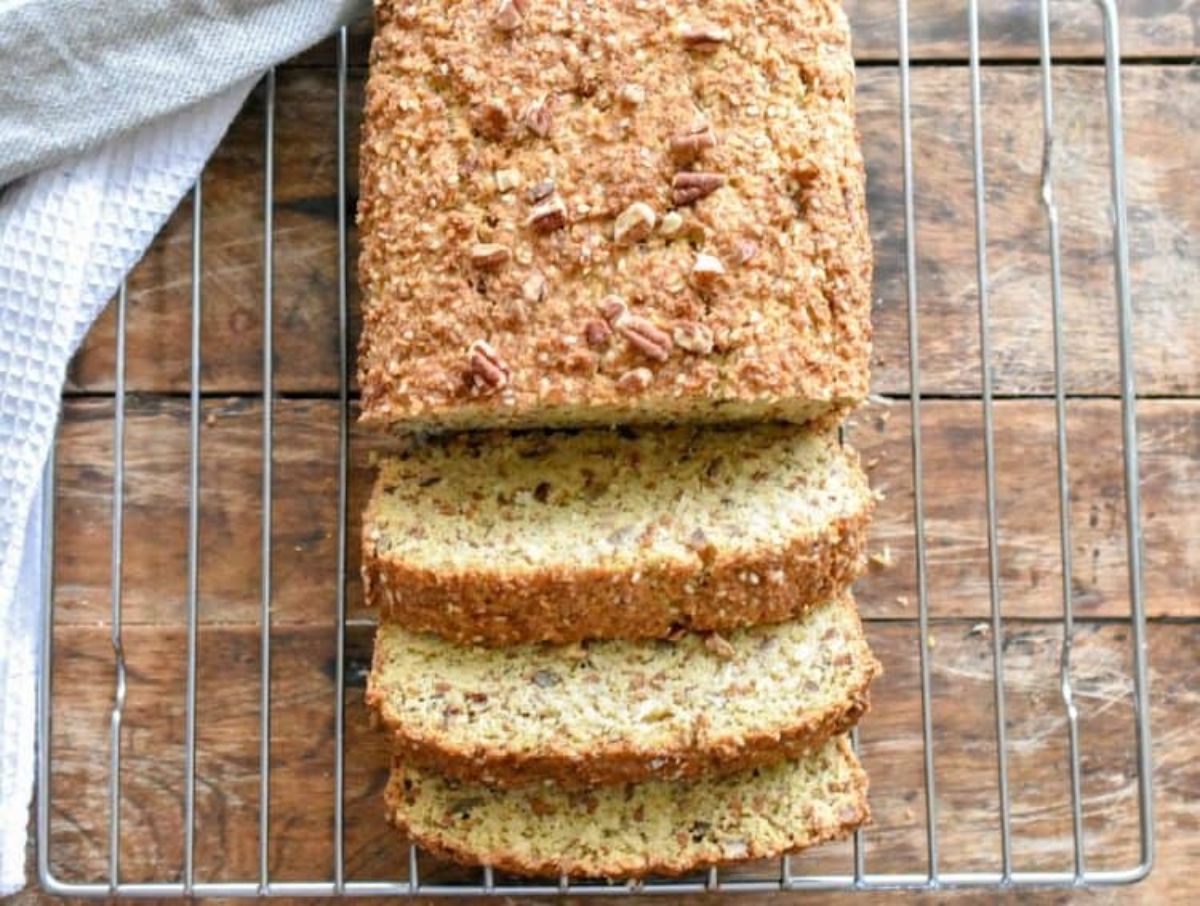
(617, 711)
(499, 539)
(599, 213)
(628, 831)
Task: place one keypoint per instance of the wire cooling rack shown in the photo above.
(857, 875)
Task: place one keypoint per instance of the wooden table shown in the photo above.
(1162, 106)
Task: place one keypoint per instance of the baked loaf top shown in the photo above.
(563, 536)
(617, 711)
(659, 827)
(611, 212)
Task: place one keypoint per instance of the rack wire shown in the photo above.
(858, 877)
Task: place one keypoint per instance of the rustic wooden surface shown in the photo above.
(1162, 101)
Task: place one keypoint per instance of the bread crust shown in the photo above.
(565, 605)
(702, 754)
(665, 861)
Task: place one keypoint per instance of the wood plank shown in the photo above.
(938, 31)
(305, 527)
(302, 747)
(1159, 102)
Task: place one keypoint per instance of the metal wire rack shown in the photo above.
(858, 876)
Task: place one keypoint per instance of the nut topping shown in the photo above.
(688, 187)
(487, 366)
(693, 337)
(507, 17)
(548, 216)
(632, 94)
(507, 180)
(704, 37)
(707, 270)
(539, 190)
(539, 117)
(671, 223)
(490, 255)
(612, 307)
(635, 223)
(534, 287)
(491, 119)
(719, 646)
(688, 144)
(635, 381)
(642, 333)
(597, 332)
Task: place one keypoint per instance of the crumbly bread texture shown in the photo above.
(600, 213)
(618, 711)
(658, 827)
(501, 539)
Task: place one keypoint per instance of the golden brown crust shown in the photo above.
(660, 862)
(571, 605)
(480, 309)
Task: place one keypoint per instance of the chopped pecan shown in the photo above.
(704, 37)
(534, 287)
(719, 646)
(635, 380)
(693, 337)
(707, 270)
(539, 117)
(597, 332)
(507, 17)
(688, 187)
(539, 191)
(490, 255)
(487, 365)
(548, 216)
(689, 143)
(642, 333)
(491, 119)
(633, 94)
(635, 223)
(671, 223)
(612, 307)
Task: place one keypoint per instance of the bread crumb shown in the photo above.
(883, 559)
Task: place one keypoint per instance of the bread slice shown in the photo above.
(502, 539)
(659, 827)
(617, 711)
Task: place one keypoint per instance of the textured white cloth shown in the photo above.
(107, 115)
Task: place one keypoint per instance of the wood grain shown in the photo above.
(304, 519)
(1160, 104)
(938, 31)
(302, 753)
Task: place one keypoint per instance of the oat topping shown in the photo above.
(693, 337)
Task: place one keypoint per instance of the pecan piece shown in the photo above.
(491, 119)
(689, 187)
(635, 380)
(539, 117)
(490, 255)
(707, 270)
(507, 18)
(612, 307)
(640, 332)
(597, 332)
(704, 37)
(548, 216)
(635, 223)
(693, 337)
(689, 143)
(487, 366)
(540, 191)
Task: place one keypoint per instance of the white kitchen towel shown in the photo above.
(107, 115)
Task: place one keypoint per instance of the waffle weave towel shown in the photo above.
(107, 114)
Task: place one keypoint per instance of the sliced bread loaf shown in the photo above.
(502, 539)
(616, 711)
(658, 827)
